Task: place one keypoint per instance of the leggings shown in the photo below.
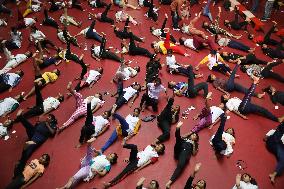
(88, 129)
(135, 50)
(131, 166)
(204, 122)
(38, 108)
(222, 68)
(175, 19)
(149, 102)
(182, 153)
(76, 5)
(238, 45)
(267, 38)
(90, 34)
(174, 48)
(104, 17)
(192, 90)
(251, 59)
(104, 54)
(80, 111)
(267, 73)
(48, 21)
(218, 143)
(124, 127)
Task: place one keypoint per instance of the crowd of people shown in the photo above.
(213, 35)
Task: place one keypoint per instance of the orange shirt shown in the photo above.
(32, 169)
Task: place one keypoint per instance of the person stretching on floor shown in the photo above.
(230, 85)
(102, 17)
(197, 43)
(189, 89)
(25, 22)
(122, 16)
(94, 126)
(67, 20)
(91, 33)
(137, 160)
(190, 29)
(201, 184)
(245, 181)
(16, 39)
(152, 185)
(169, 116)
(62, 38)
(274, 141)
(93, 164)
(30, 173)
(10, 80)
(183, 150)
(89, 79)
(127, 128)
(49, 21)
(246, 107)
(125, 72)
(235, 24)
(275, 95)
(223, 142)
(9, 104)
(232, 104)
(81, 106)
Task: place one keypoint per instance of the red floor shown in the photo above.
(65, 158)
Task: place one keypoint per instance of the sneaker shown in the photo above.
(176, 29)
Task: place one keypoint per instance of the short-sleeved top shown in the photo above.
(49, 77)
(149, 153)
(91, 76)
(216, 112)
(127, 73)
(171, 62)
(17, 38)
(11, 79)
(37, 36)
(220, 82)
(129, 92)
(100, 163)
(157, 32)
(61, 36)
(3, 130)
(16, 60)
(133, 123)
(230, 140)
(50, 103)
(42, 133)
(7, 105)
(223, 42)
(179, 86)
(244, 185)
(153, 91)
(233, 104)
(29, 21)
(99, 122)
(96, 51)
(32, 169)
(95, 102)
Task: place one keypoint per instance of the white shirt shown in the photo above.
(230, 140)
(96, 51)
(94, 102)
(145, 155)
(29, 21)
(233, 104)
(157, 32)
(2, 22)
(189, 43)
(244, 185)
(129, 93)
(15, 61)
(93, 75)
(50, 103)
(3, 130)
(127, 73)
(132, 121)
(212, 60)
(17, 38)
(61, 37)
(271, 132)
(171, 62)
(99, 122)
(100, 162)
(84, 31)
(35, 8)
(154, 92)
(13, 79)
(7, 104)
(216, 112)
(37, 36)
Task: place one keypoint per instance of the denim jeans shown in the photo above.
(268, 9)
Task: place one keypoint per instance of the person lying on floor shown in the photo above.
(102, 17)
(126, 129)
(5, 127)
(10, 80)
(81, 106)
(56, 5)
(15, 41)
(32, 6)
(274, 141)
(183, 150)
(216, 63)
(124, 4)
(30, 173)
(164, 46)
(13, 60)
(189, 89)
(97, 3)
(246, 107)
(65, 19)
(232, 104)
(94, 126)
(153, 68)
(10, 104)
(176, 68)
(43, 106)
(191, 30)
(72, 39)
(122, 16)
(226, 42)
(201, 184)
(100, 52)
(49, 21)
(124, 95)
(25, 22)
(93, 164)
(197, 43)
(125, 72)
(75, 4)
(247, 59)
(245, 181)
(168, 117)
(42, 79)
(152, 12)
(276, 53)
(37, 136)
(222, 142)
(160, 33)
(264, 71)
(137, 160)
(91, 33)
(276, 96)
(152, 185)
(151, 96)
(229, 85)
(236, 24)
(89, 79)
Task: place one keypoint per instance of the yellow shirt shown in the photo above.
(162, 47)
(49, 77)
(32, 169)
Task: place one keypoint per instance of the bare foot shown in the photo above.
(260, 95)
(272, 178)
(20, 112)
(78, 145)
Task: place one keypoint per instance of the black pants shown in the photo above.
(125, 35)
(175, 19)
(99, 4)
(151, 13)
(17, 182)
(149, 102)
(134, 50)
(38, 108)
(88, 129)
(110, 55)
(4, 87)
(46, 42)
(165, 2)
(218, 143)
(104, 17)
(192, 90)
(76, 5)
(48, 21)
(131, 166)
(5, 10)
(182, 153)
(267, 73)
(251, 59)
(222, 68)
(53, 7)
(10, 45)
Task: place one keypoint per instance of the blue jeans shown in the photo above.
(254, 7)
(268, 9)
(206, 11)
(93, 35)
(238, 45)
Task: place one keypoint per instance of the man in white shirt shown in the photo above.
(37, 36)
(232, 104)
(89, 79)
(16, 39)
(150, 98)
(10, 80)
(10, 104)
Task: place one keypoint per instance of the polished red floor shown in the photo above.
(65, 158)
